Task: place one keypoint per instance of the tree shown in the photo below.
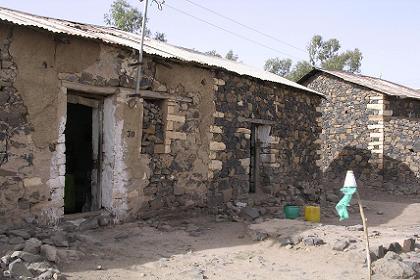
(323, 54)
(300, 69)
(123, 16)
(128, 18)
(213, 53)
(231, 56)
(160, 36)
(278, 66)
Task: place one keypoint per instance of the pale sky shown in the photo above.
(386, 31)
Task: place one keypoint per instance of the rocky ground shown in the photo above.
(240, 242)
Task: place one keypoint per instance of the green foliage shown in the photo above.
(213, 53)
(160, 36)
(320, 51)
(283, 67)
(128, 18)
(323, 54)
(300, 69)
(231, 56)
(278, 66)
(123, 16)
(350, 61)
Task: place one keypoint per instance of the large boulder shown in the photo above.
(395, 247)
(393, 267)
(20, 233)
(249, 213)
(409, 245)
(378, 251)
(17, 269)
(341, 245)
(25, 256)
(49, 252)
(59, 239)
(89, 224)
(66, 256)
(16, 240)
(32, 245)
(39, 267)
(313, 241)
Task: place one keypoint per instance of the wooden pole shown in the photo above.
(365, 230)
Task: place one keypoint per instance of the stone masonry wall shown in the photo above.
(402, 146)
(35, 67)
(349, 120)
(18, 191)
(195, 149)
(287, 159)
(32, 171)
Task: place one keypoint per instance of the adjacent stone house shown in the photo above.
(369, 125)
(74, 136)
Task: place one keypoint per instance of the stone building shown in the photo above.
(74, 136)
(371, 126)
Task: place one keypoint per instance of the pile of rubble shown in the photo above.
(393, 260)
(36, 253)
(254, 212)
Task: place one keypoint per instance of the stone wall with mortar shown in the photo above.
(191, 148)
(35, 64)
(347, 123)
(286, 158)
(35, 67)
(16, 156)
(360, 132)
(402, 146)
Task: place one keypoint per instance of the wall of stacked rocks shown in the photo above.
(287, 160)
(402, 146)
(168, 171)
(186, 142)
(346, 135)
(17, 189)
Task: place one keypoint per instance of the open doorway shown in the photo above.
(82, 192)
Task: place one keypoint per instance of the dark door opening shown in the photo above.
(79, 160)
(253, 163)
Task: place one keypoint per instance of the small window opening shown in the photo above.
(153, 125)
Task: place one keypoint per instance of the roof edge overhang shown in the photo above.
(113, 36)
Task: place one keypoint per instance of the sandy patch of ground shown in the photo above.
(195, 246)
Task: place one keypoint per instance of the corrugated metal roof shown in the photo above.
(131, 40)
(383, 86)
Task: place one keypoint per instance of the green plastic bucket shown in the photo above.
(291, 211)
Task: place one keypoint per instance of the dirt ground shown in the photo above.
(195, 246)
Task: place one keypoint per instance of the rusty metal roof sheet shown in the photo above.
(153, 47)
(383, 86)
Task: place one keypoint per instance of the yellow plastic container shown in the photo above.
(312, 214)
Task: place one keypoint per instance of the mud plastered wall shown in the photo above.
(287, 166)
(34, 166)
(18, 190)
(402, 146)
(35, 63)
(345, 133)
(179, 171)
